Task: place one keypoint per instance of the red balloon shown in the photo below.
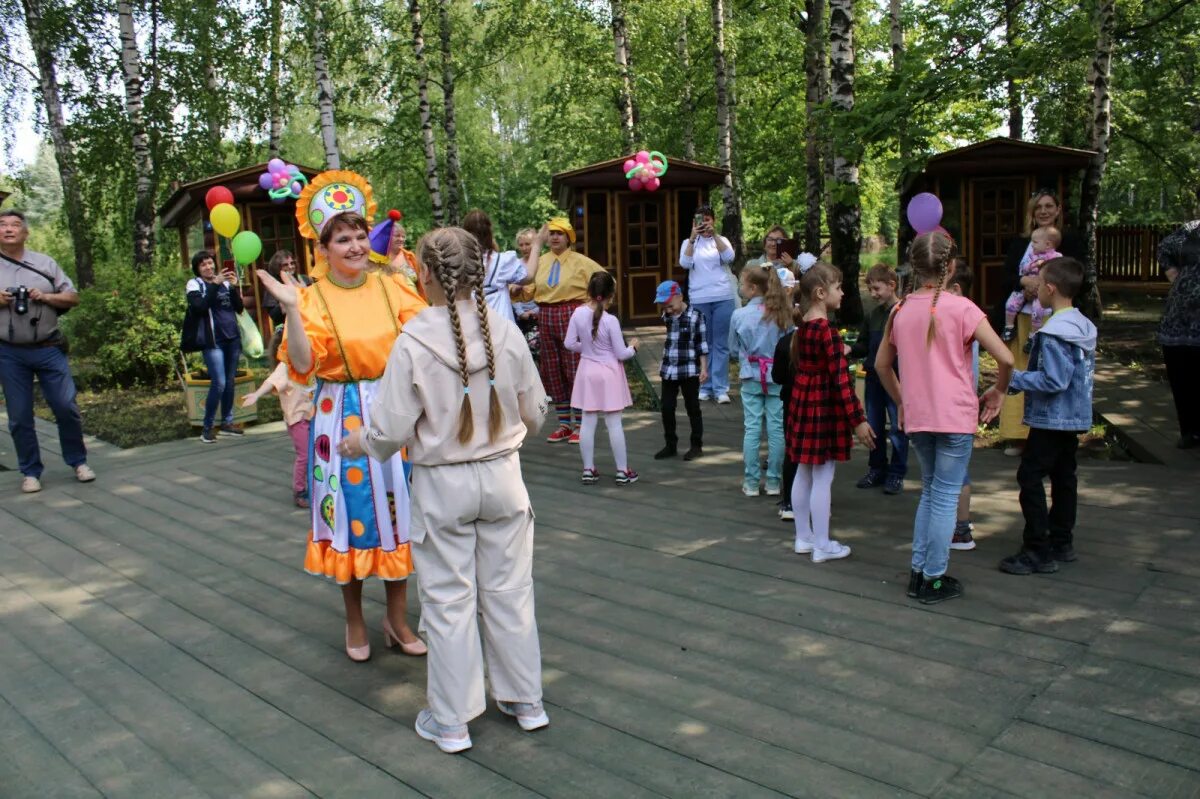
(217, 195)
(635, 184)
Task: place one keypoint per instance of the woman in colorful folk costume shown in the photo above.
(341, 330)
(559, 287)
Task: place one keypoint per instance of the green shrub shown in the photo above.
(127, 326)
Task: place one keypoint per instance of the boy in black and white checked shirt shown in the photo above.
(684, 367)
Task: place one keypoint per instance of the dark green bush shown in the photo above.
(127, 326)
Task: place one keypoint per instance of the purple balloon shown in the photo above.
(296, 188)
(276, 165)
(266, 180)
(924, 212)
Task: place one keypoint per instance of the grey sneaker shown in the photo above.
(448, 739)
(530, 715)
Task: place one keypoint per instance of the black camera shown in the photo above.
(20, 299)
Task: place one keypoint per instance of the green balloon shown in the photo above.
(247, 246)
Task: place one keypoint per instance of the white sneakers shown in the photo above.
(723, 399)
(448, 739)
(84, 473)
(832, 551)
(530, 715)
(31, 485)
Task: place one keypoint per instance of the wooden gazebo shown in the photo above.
(984, 189)
(275, 224)
(636, 235)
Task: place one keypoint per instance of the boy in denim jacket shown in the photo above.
(1058, 406)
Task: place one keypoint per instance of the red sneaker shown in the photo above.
(575, 436)
(563, 433)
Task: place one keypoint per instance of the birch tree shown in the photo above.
(64, 149)
(449, 122)
(325, 102)
(1099, 130)
(1012, 19)
(845, 222)
(143, 163)
(275, 104)
(814, 98)
(620, 31)
(731, 221)
(687, 100)
(423, 108)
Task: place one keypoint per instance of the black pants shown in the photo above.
(690, 388)
(1183, 373)
(1048, 453)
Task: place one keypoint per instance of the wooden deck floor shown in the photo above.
(158, 639)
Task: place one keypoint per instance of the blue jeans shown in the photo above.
(221, 362)
(944, 459)
(18, 366)
(716, 324)
(759, 409)
(881, 412)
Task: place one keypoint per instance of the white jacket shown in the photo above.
(420, 395)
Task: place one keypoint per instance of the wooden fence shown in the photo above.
(1129, 253)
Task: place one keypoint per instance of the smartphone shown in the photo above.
(790, 246)
(698, 220)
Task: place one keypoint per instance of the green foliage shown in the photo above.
(127, 326)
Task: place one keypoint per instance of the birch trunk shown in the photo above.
(1099, 129)
(731, 222)
(275, 112)
(449, 124)
(624, 73)
(325, 106)
(1015, 115)
(143, 163)
(814, 78)
(431, 165)
(689, 102)
(845, 224)
(64, 149)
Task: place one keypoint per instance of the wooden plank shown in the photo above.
(999, 770)
(29, 763)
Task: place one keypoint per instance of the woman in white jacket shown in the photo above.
(461, 392)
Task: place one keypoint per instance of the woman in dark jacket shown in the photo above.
(1043, 210)
(1179, 331)
(211, 327)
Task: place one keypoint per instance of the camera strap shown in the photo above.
(23, 265)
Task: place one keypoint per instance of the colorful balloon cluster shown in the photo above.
(645, 170)
(282, 181)
(226, 220)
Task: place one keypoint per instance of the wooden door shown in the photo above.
(644, 256)
(997, 215)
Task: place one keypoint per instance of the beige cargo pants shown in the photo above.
(472, 547)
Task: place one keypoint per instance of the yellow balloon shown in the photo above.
(225, 219)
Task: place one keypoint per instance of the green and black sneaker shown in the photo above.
(939, 589)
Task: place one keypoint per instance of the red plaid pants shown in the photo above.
(556, 363)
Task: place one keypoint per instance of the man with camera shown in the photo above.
(34, 290)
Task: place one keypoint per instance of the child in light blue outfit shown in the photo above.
(754, 330)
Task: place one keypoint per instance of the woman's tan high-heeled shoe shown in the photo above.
(358, 654)
(390, 639)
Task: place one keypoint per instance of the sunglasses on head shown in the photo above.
(1051, 193)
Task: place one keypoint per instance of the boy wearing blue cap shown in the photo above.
(684, 367)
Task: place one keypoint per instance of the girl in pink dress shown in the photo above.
(600, 385)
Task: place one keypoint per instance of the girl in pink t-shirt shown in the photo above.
(931, 331)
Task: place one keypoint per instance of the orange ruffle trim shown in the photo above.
(357, 564)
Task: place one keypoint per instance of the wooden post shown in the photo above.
(1147, 255)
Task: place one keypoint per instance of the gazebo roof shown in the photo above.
(993, 154)
(608, 175)
(242, 182)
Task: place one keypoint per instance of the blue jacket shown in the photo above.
(1062, 367)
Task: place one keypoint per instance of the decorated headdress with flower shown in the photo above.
(330, 193)
(805, 261)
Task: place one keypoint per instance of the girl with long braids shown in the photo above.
(931, 330)
(600, 386)
(461, 392)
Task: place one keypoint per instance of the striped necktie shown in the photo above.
(553, 278)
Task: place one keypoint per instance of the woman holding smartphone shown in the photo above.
(705, 256)
(210, 327)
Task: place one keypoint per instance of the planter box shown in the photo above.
(195, 392)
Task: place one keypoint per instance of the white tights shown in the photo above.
(812, 495)
(616, 438)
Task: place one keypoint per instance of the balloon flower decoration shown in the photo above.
(645, 170)
(282, 181)
(246, 246)
(924, 213)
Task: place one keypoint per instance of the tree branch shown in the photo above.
(21, 66)
(1163, 17)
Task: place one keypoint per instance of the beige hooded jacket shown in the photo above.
(420, 394)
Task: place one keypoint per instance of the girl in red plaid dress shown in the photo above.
(823, 415)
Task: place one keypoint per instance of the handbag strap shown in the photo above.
(23, 265)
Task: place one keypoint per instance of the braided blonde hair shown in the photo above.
(930, 255)
(453, 257)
